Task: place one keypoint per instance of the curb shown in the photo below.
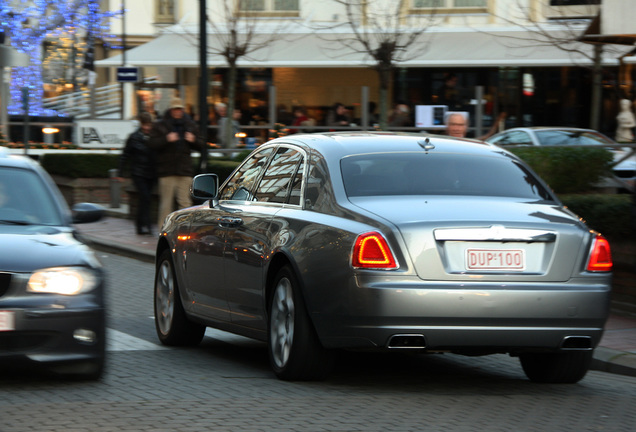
(613, 361)
(118, 248)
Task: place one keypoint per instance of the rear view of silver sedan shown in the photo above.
(384, 241)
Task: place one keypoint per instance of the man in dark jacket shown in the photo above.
(173, 138)
(141, 159)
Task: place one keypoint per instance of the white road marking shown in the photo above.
(120, 341)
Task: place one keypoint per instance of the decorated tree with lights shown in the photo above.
(28, 24)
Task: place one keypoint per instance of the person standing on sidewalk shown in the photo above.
(173, 138)
(141, 159)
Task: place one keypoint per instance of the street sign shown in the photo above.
(127, 74)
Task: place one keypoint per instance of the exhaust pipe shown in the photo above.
(407, 341)
(577, 343)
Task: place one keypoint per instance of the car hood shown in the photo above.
(26, 250)
(440, 231)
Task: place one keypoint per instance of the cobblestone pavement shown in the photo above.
(226, 384)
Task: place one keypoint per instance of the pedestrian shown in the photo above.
(301, 119)
(138, 159)
(456, 124)
(448, 93)
(233, 123)
(339, 115)
(173, 138)
(401, 116)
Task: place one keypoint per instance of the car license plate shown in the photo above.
(7, 321)
(495, 259)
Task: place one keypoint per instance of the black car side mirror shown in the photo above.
(87, 213)
(205, 187)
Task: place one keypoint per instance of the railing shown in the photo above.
(78, 104)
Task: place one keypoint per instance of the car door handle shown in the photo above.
(229, 222)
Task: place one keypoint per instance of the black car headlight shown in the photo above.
(62, 280)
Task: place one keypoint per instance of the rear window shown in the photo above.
(439, 174)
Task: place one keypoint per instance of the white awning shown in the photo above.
(467, 48)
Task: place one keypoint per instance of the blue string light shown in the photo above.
(29, 24)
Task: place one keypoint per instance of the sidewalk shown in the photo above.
(615, 354)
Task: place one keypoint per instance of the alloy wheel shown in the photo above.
(164, 298)
(282, 322)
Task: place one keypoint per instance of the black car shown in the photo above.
(51, 285)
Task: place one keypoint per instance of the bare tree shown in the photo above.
(565, 33)
(236, 33)
(379, 30)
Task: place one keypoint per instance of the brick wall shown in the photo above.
(95, 190)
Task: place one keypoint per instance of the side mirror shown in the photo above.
(87, 213)
(205, 187)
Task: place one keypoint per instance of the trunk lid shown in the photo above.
(485, 238)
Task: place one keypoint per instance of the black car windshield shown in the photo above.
(25, 199)
(439, 174)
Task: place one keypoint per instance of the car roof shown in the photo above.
(341, 144)
(547, 128)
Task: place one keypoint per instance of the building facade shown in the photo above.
(520, 58)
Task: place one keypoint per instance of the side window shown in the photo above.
(280, 176)
(513, 138)
(241, 185)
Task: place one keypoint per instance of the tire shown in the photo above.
(295, 353)
(172, 325)
(562, 367)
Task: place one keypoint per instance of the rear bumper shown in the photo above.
(468, 317)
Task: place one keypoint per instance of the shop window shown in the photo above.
(273, 8)
(164, 12)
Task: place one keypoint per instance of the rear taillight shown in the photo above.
(372, 251)
(600, 259)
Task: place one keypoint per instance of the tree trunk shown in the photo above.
(384, 74)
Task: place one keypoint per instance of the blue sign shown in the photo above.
(127, 74)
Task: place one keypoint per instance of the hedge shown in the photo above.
(611, 215)
(78, 165)
(568, 169)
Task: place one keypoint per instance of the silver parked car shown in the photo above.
(384, 241)
(624, 170)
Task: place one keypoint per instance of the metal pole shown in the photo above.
(203, 84)
(5, 77)
(123, 53)
(272, 107)
(479, 111)
(25, 106)
(365, 108)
